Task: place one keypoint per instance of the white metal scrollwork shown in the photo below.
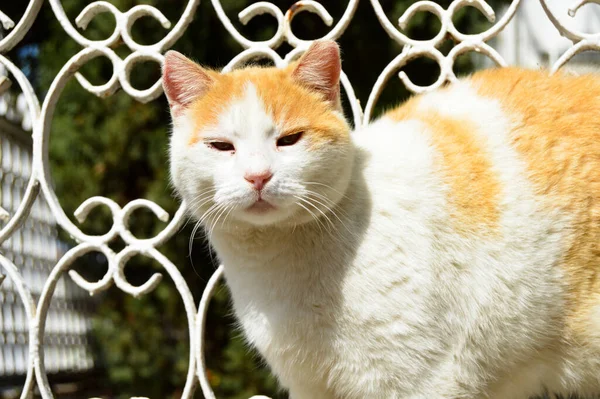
(42, 117)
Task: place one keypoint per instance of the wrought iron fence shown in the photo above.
(36, 313)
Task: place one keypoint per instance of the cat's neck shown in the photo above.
(266, 243)
(284, 246)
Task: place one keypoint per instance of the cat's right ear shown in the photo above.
(319, 69)
(184, 81)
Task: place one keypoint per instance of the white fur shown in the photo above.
(381, 298)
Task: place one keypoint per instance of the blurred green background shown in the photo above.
(117, 147)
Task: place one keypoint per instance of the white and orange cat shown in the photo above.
(449, 249)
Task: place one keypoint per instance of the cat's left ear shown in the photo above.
(184, 81)
(319, 70)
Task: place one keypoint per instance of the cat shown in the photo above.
(448, 249)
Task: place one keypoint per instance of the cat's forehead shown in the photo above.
(246, 116)
(268, 85)
(263, 100)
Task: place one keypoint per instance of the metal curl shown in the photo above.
(478, 47)
(6, 22)
(186, 18)
(254, 53)
(570, 34)
(127, 236)
(93, 287)
(582, 46)
(299, 7)
(88, 205)
(430, 6)
(408, 54)
(17, 33)
(112, 85)
(91, 10)
(481, 5)
(400, 37)
(488, 12)
(119, 273)
(253, 10)
(84, 17)
(446, 72)
(146, 95)
(131, 16)
(578, 4)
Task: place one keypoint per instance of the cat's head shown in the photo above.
(259, 145)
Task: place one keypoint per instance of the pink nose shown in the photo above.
(258, 180)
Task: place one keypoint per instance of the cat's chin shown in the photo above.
(261, 214)
(261, 207)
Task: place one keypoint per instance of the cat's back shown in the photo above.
(518, 155)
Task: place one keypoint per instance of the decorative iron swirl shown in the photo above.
(582, 41)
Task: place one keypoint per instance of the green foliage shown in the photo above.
(117, 147)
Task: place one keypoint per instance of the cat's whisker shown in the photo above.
(191, 242)
(306, 201)
(332, 208)
(321, 197)
(210, 215)
(311, 213)
(329, 205)
(327, 201)
(334, 236)
(213, 208)
(206, 194)
(203, 202)
(329, 187)
(192, 236)
(205, 197)
(231, 208)
(224, 209)
(188, 218)
(329, 209)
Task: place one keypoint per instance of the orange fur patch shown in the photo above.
(292, 107)
(557, 131)
(466, 166)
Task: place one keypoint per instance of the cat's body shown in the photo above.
(451, 250)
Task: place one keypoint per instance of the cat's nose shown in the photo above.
(258, 180)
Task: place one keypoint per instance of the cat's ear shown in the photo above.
(184, 81)
(319, 69)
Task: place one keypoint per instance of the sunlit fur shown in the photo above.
(449, 249)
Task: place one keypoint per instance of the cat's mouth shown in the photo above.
(260, 206)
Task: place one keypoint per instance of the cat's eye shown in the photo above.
(290, 139)
(221, 146)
